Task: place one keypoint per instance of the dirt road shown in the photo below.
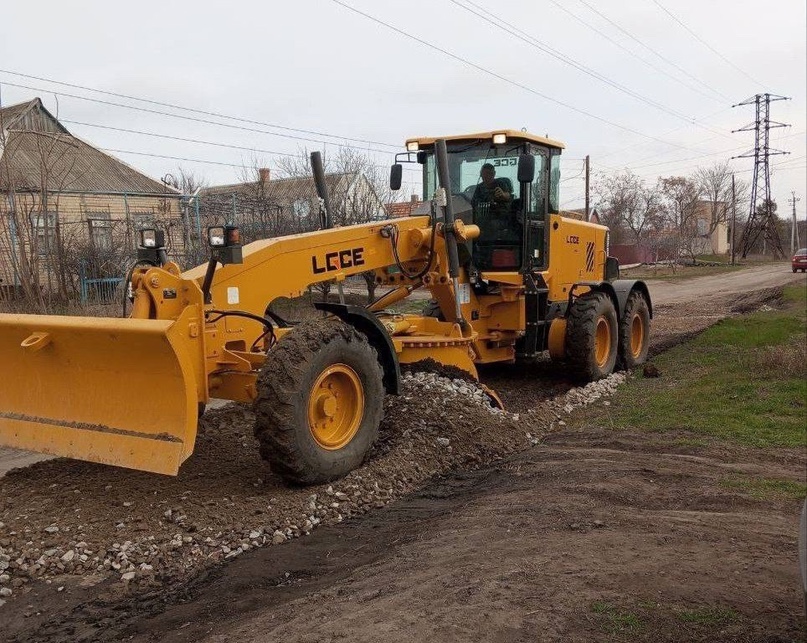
(681, 291)
(526, 551)
(577, 539)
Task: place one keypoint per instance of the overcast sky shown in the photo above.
(639, 89)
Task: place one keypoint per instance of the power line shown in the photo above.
(194, 110)
(631, 167)
(667, 133)
(195, 140)
(576, 176)
(706, 44)
(193, 118)
(727, 151)
(691, 158)
(661, 70)
(776, 168)
(175, 138)
(187, 159)
(498, 76)
(172, 158)
(541, 46)
(654, 52)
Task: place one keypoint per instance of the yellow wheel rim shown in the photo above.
(602, 342)
(636, 335)
(335, 407)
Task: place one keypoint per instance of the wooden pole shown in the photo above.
(588, 164)
(733, 218)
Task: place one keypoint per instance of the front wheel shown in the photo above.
(634, 332)
(591, 337)
(320, 401)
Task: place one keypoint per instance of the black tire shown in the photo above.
(286, 390)
(432, 309)
(586, 318)
(634, 332)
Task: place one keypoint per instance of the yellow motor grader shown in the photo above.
(508, 279)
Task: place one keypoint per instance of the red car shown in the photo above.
(799, 260)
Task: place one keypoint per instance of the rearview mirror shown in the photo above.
(395, 176)
(526, 168)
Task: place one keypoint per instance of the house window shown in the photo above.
(43, 228)
(703, 227)
(100, 224)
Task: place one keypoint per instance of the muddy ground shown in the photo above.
(520, 546)
(525, 551)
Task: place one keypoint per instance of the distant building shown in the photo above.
(268, 207)
(403, 208)
(59, 195)
(705, 233)
(711, 234)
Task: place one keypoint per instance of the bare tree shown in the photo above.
(625, 201)
(714, 183)
(188, 184)
(680, 197)
(359, 189)
(31, 235)
(186, 181)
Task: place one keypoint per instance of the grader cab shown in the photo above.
(507, 276)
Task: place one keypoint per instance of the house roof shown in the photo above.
(29, 115)
(37, 147)
(402, 208)
(283, 191)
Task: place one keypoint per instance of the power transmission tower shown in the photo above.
(762, 218)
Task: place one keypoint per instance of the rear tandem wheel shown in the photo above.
(634, 332)
(320, 401)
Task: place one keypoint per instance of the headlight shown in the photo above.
(151, 238)
(412, 146)
(499, 139)
(216, 237)
(223, 236)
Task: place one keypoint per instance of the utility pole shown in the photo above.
(761, 220)
(794, 229)
(733, 218)
(588, 165)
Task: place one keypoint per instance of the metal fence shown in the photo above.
(81, 246)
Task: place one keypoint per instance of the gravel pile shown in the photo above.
(64, 520)
(593, 392)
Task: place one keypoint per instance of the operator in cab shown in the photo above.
(496, 192)
(492, 203)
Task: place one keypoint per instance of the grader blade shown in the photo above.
(114, 391)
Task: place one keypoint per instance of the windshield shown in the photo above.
(484, 182)
(465, 161)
